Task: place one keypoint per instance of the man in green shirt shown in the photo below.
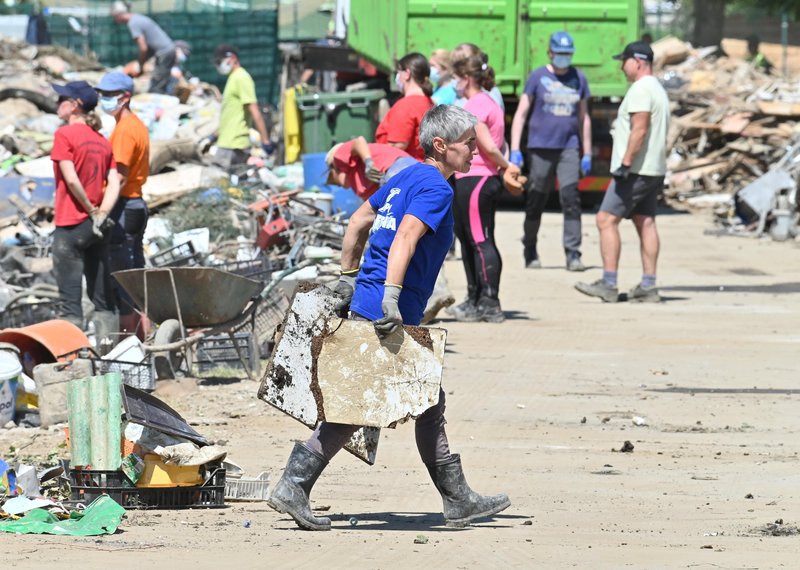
(638, 165)
(239, 110)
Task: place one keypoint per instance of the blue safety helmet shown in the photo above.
(561, 42)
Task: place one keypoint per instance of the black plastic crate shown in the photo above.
(141, 375)
(86, 485)
(259, 269)
(181, 255)
(220, 351)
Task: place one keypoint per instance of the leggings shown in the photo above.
(474, 205)
(429, 430)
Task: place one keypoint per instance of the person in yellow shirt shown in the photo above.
(130, 143)
(239, 110)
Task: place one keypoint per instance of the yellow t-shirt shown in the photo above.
(130, 143)
(234, 121)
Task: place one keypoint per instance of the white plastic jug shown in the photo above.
(10, 369)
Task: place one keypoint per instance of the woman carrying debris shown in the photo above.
(477, 192)
(87, 187)
(400, 126)
(409, 224)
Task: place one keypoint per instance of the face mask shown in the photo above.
(435, 75)
(562, 61)
(224, 67)
(461, 86)
(398, 82)
(109, 104)
(180, 56)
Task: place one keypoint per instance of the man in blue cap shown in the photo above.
(130, 143)
(556, 96)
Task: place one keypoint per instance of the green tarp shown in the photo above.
(101, 517)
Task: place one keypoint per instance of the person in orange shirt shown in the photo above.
(130, 142)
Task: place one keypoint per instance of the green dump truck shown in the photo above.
(515, 34)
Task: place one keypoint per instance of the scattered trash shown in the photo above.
(583, 420)
(627, 447)
(749, 496)
(247, 523)
(527, 522)
(778, 528)
(707, 547)
(102, 516)
(353, 521)
(521, 406)
(421, 539)
(639, 421)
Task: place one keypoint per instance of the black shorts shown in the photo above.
(638, 195)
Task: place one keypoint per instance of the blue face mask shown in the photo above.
(109, 104)
(435, 75)
(562, 61)
(398, 82)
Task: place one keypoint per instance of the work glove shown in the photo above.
(516, 158)
(100, 223)
(344, 289)
(267, 148)
(392, 319)
(586, 164)
(371, 172)
(622, 173)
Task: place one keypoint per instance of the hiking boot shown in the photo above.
(574, 262)
(489, 311)
(600, 289)
(640, 294)
(466, 313)
(461, 504)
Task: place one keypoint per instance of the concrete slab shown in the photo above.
(365, 380)
(287, 382)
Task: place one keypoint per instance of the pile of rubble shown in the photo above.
(732, 125)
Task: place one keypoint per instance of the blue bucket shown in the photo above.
(315, 173)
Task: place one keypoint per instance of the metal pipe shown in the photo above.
(785, 42)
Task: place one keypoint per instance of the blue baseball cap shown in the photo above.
(115, 81)
(78, 90)
(561, 42)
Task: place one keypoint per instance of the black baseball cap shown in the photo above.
(636, 50)
(78, 90)
(222, 52)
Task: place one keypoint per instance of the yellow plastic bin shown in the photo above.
(158, 474)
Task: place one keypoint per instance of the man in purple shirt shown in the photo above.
(557, 96)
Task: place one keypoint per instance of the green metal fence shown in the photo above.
(253, 32)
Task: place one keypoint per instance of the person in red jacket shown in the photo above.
(87, 187)
(400, 126)
(363, 166)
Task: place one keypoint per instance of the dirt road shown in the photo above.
(536, 406)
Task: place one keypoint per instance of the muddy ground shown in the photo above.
(537, 406)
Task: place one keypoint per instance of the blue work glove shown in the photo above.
(392, 319)
(586, 164)
(268, 148)
(344, 289)
(516, 158)
(621, 174)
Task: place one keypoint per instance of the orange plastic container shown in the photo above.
(48, 341)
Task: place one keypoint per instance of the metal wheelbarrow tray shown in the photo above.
(206, 297)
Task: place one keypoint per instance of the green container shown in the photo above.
(515, 34)
(330, 118)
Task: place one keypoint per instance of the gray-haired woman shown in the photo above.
(412, 228)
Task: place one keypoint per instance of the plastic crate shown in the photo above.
(141, 375)
(87, 484)
(220, 351)
(181, 255)
(248, 488)
(259, 269)
(270, 313)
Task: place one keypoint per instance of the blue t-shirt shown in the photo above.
(555, 100)
(445, 95)
(422, 192)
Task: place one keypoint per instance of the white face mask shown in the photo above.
(562, 61)
(224, 67)
(180, 56)
(109, 104)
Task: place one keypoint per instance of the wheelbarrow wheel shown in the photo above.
(167, 363)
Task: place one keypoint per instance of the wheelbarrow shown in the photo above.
(190, 303)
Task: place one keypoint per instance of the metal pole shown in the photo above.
(785, 42)
(296, 23)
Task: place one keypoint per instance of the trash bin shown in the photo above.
(315, 175)
(330, 118)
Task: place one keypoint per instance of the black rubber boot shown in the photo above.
(290, 494)
(462, 505)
